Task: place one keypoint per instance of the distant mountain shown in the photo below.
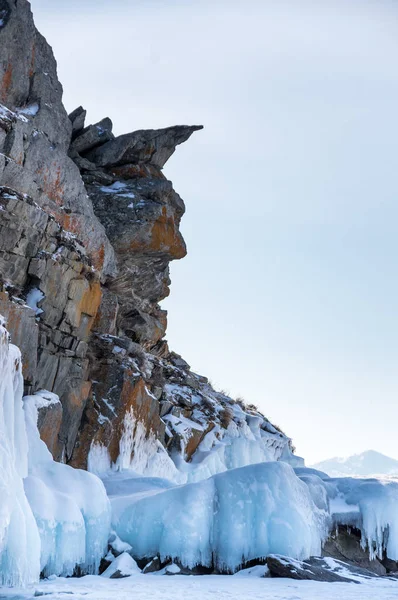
(366, 464)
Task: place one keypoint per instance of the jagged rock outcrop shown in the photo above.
(88, 227)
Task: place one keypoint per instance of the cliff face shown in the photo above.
(88, 227)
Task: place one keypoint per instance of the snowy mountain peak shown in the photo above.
(366, 464)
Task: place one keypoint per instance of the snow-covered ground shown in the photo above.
(210, 587)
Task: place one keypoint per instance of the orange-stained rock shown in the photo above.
(5, 82)
(49, 425)
(80, 226)
(116, 392)
(196, 437)
(82, 306)
(91, 299)
(166, 237)
(136, 400)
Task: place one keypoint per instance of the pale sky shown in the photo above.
(288, 296)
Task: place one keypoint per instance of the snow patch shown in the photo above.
(33, 298)
(118, 188)
(123, 564)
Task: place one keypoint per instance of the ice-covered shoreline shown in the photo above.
(61, 518)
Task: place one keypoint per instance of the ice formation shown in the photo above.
(33, 298)
(225, 520)
(144, 454)
(370, 505)
(243, 443)
(19, 537)
(237, 500)
(248, 439)
(246, 513)
(70, 506)
(52, 517)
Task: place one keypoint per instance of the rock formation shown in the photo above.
(88, 227)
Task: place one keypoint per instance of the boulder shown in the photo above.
(93, 136)
(153, 146)
(77, 118)
(345, 545)
(315, 569)
(153, 565)
(123, 566)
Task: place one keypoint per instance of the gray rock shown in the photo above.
(345, 545)
(97, 176)
(77, 118)
(83, 164)
(312, 569)
(28, 77)
(118, 575)
(178, 361)
(99, 253)
(92, 136)
(165, 407)
(154, 565)
(391, 566)
(153, 146)
(21, 321)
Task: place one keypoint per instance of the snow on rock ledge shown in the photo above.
(200, 433)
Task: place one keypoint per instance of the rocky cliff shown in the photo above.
(88, 226)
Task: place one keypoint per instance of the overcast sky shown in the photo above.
(288, 295)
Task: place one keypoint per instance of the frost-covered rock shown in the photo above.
(316, 569)
(199, 432)
(122, 566)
